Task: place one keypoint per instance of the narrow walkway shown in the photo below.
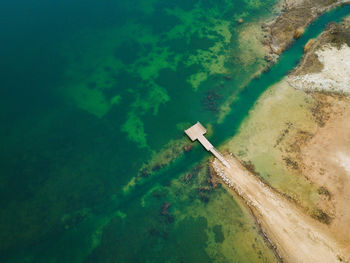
(196, 132)
(297, 237)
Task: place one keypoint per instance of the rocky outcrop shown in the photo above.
(295, 16)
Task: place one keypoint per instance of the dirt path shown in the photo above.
(297, 237)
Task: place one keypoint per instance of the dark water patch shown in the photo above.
(162, 124)
(186, 231)
(183, 4)
(219, 235)
(145, 223)
(128, 51)
(197, 42)
(177, 45)
(31, 65)
(168, 21)
(124, 83)
(57, 168)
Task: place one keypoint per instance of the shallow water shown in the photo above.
(90, 91)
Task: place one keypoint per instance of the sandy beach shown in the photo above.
(293, 170)
(296, 237)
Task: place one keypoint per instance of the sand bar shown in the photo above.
(296, 236)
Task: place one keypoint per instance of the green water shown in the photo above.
(89, 93)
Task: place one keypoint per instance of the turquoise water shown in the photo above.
(90, 92)
(248, 96)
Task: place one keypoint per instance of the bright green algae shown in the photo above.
(105, 87)
(153, 61)
(99, 94)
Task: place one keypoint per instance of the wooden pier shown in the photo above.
(196, 132)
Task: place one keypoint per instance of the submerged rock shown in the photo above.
(165, 212)
(187, 148)
(204, 189)
(309, 44)
(204, 197)
(299, 32)
(165, 208)
(271, 57)
(188, 177)
(210, 101)
(144, 172)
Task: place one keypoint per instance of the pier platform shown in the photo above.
(196, 132)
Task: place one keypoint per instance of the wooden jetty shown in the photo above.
(196, 132)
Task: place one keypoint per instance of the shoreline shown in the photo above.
(328, 114)
(286, 227)
(295, 16)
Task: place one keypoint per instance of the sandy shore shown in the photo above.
(324, 158)
(334, 75)
(297, 237)
(325, 161)
(296, 146)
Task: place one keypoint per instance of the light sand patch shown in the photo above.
(250, 53)
(134, 128)
(91, 100)
(325, 160)
(297, 237)
(279, 114)
(250, 44)
(335, 75)
(343, 160)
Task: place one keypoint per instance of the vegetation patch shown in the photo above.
(324, 191)
(321, 216)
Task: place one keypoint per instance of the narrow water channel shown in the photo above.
(246, 99)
